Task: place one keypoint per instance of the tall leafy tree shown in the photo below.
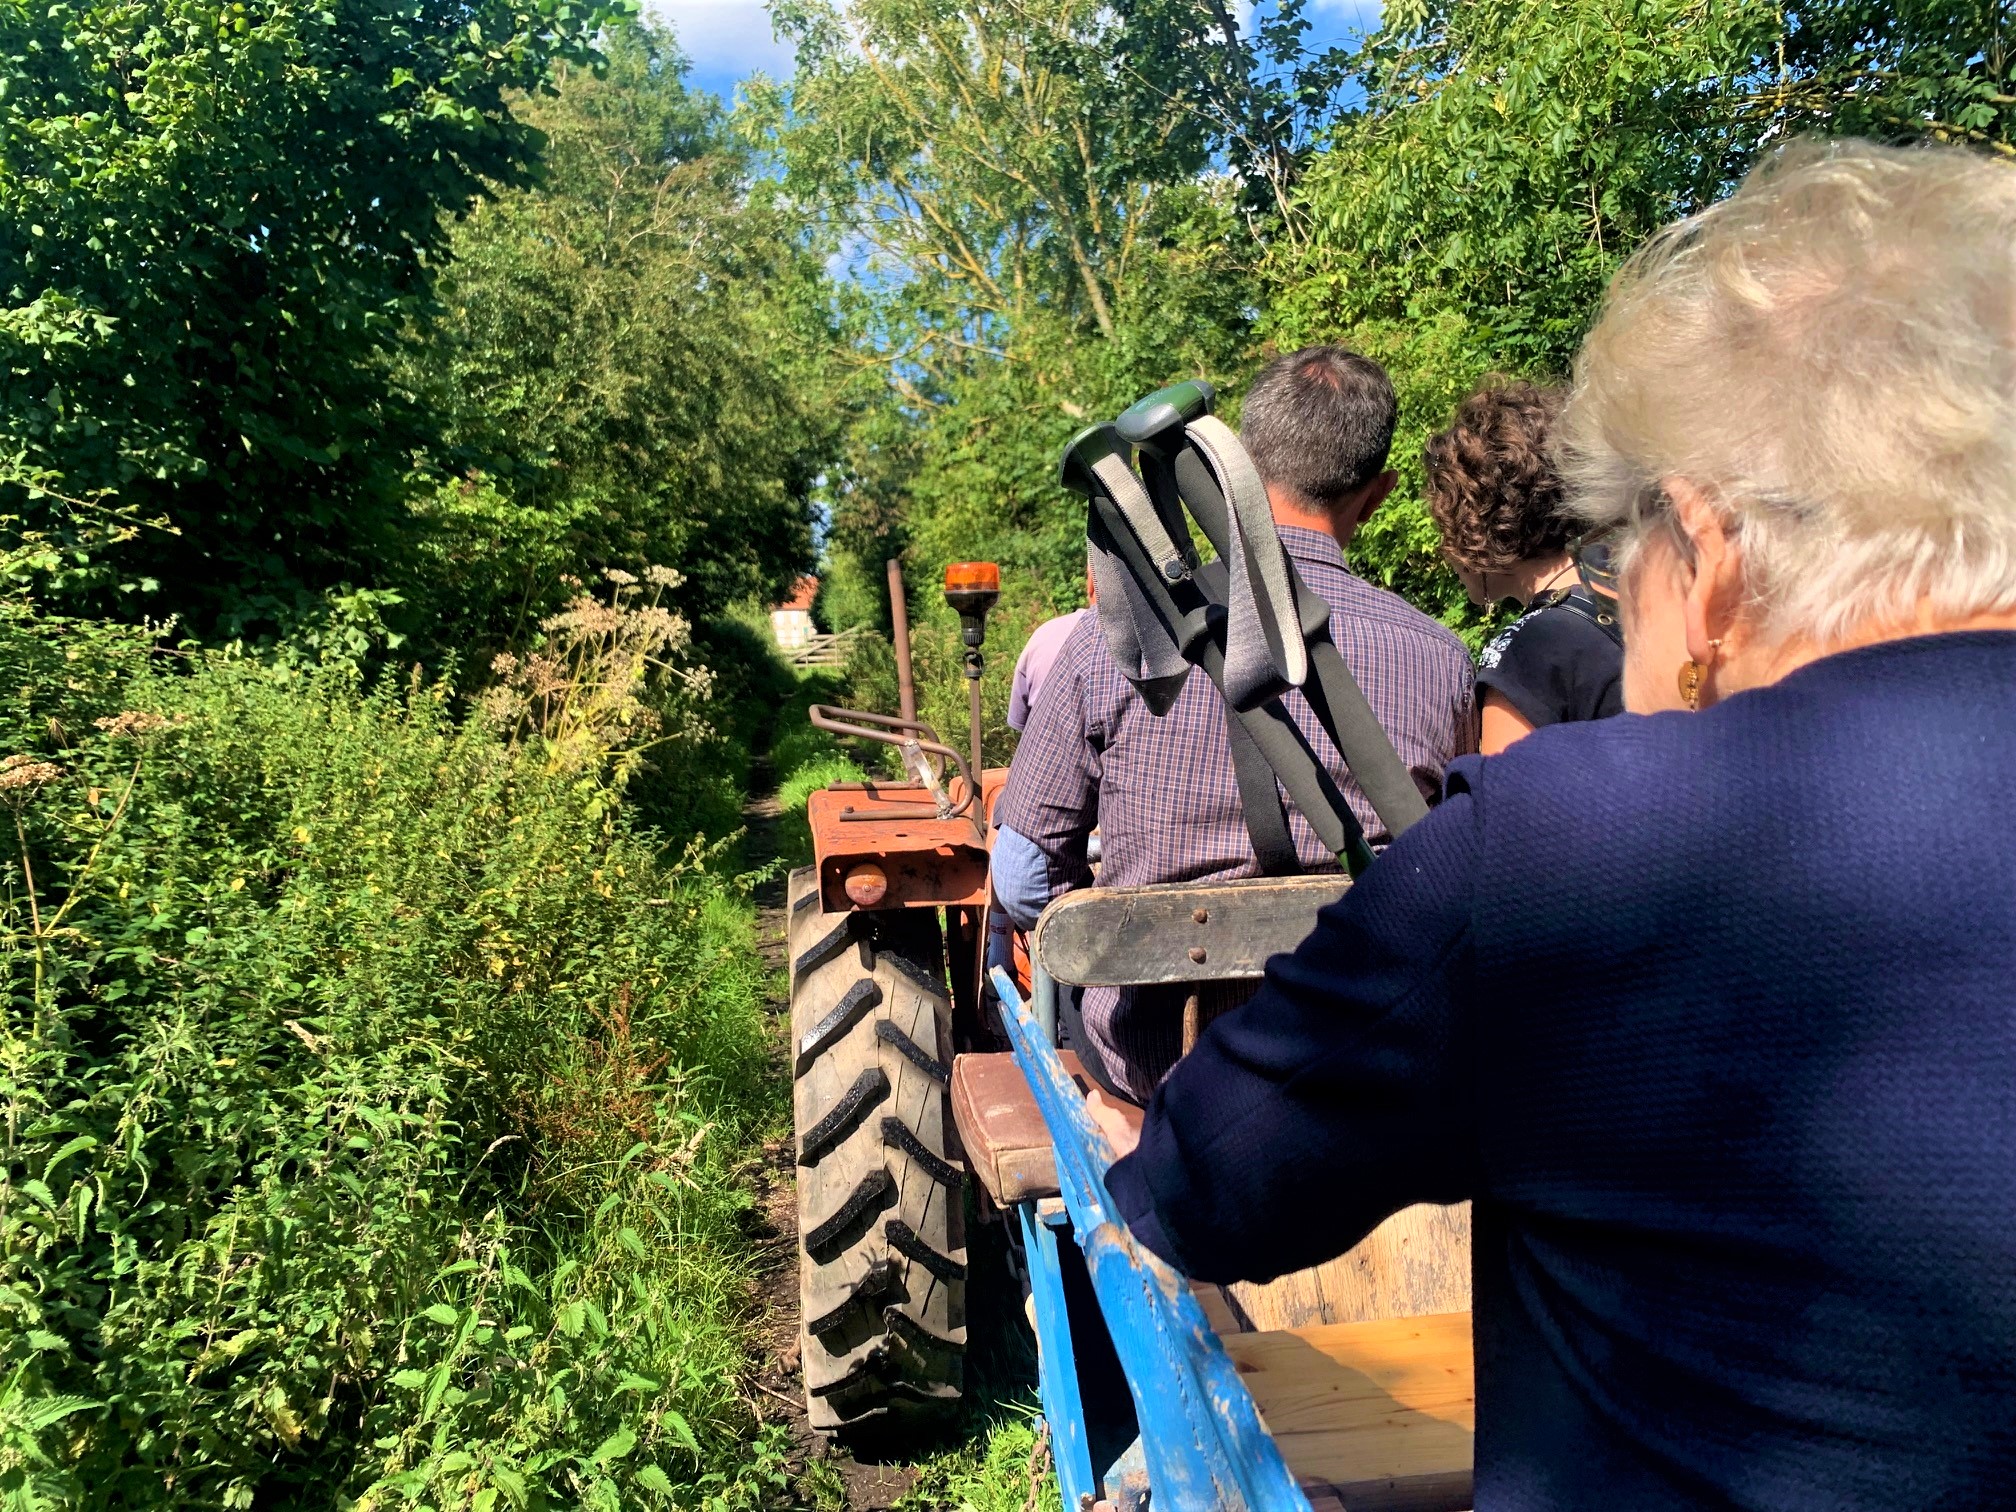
(632, 361)
(215, 219)
(1040, 226)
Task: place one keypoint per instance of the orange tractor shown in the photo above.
(887, 937)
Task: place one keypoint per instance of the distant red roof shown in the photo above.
(802, 593)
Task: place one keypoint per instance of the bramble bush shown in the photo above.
(374, 1099)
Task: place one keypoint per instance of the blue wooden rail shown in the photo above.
(1201, 1435)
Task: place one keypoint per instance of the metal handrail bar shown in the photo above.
(857, 723)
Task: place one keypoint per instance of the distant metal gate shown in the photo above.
(826, 650)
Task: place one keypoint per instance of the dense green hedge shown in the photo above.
(373, 1098)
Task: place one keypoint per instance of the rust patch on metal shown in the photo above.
(928, 862)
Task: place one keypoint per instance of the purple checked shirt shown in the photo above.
(1162, 792)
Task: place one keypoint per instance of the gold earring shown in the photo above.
(1693, 674)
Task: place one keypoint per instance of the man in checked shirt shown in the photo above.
(1161, 791)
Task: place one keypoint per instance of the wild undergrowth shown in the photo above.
(1004, 1469)
(374, 1092)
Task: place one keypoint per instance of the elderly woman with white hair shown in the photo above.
(1711, 1007)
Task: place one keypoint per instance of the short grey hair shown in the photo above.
(1830, 355)
(1319, 422)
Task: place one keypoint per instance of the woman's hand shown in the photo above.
(1121, 1131)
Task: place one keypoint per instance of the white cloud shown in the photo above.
(1355, 15)
(727, 39)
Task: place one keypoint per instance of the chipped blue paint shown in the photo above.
(1201, 1434)
(1056, 1368)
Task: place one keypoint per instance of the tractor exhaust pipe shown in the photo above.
(899, 623)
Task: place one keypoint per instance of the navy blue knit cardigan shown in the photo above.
(1714, 1018)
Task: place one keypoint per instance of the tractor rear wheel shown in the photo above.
(881, 1187)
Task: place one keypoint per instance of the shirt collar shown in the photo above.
(1313, 546)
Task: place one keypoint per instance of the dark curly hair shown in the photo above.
(1492, 487)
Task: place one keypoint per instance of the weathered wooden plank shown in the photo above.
(1383, 1412)
(1187, 932)
(1417, 1261)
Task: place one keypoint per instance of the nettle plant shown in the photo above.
(373, 1092)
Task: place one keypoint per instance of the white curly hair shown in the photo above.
(1830, 356)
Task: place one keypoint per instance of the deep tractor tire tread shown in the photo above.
(881, 1184)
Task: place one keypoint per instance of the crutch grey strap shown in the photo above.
(1343, 711)
(1264, 650)
(1137, 639)
(1303, 615)
(1260, 801)
(1308, 782)
(1137, 617)
(1125, 490)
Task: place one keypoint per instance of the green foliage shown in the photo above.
(804, 759)
(1024, 191)
(215, 220)
(993, 1475)
(1509, 155)
(631, 358)
(375, 1100)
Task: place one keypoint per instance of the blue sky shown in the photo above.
(728, 40)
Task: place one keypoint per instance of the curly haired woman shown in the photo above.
(1496, 499)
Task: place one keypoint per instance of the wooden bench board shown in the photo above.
(1384, 1412)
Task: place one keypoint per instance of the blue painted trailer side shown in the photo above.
(1057, 1369)
(1201, 1434)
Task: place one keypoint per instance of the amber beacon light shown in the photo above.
(971, 589)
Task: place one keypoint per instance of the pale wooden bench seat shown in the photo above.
(1379, 1417)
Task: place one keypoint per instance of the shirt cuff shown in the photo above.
(1021, 877)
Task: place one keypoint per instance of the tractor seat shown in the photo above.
(1006, 1141)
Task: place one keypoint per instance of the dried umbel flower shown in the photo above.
(589, 693)
(664, 577)
(543, 676)
(22, 772)
(659, 630)
(133, 722)
(584, 617)
(502, 705)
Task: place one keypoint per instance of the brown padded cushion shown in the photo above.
(1005, 1138)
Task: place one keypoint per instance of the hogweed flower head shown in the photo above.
(130, 723)
(23, 773)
